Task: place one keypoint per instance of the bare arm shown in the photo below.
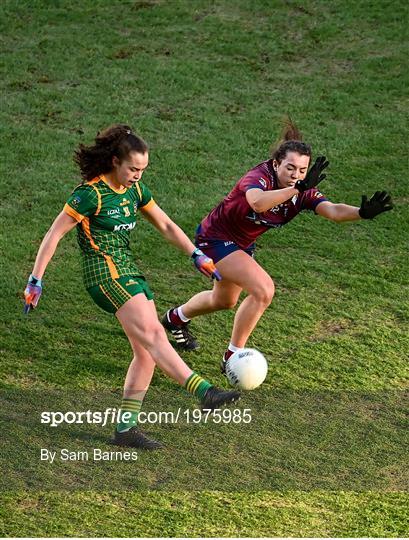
(338, 212)
(261, 201)
(168, 229)
(174, 234)
(63, 223)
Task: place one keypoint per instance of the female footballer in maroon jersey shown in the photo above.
(268, 196)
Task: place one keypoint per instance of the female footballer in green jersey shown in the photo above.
(104, 209)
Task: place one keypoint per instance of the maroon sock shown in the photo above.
(227, 354)
(174, 318)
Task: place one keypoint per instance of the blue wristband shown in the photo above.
(32, 280)
(197, 253)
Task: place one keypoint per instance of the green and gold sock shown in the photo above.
(197, 386)
(132, 406)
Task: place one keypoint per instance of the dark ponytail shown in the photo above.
(117, 140)
(290, 141)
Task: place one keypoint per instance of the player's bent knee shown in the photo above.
(225, 303)
(271, 291)
(265, 293)
(155, 335)
(147, 335)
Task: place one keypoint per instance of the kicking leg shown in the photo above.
(140, 322)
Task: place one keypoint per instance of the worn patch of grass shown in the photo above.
(207, 514)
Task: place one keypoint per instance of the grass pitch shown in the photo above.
(206, 84)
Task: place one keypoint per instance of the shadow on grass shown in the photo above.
(296, 440)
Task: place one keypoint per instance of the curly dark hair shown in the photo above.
(117, 140)
(290, 141)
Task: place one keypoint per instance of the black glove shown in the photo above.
(314, 176)
(378, 203)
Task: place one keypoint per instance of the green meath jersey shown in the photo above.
(105, 218)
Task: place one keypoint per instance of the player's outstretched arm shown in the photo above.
(378, 203)
(174, 234)
(62, 224)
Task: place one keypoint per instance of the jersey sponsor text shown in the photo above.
(125, 226)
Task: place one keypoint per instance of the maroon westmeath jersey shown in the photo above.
(234, 219)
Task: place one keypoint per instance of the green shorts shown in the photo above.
(112, 294)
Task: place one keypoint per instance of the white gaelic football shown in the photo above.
(246, 369)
